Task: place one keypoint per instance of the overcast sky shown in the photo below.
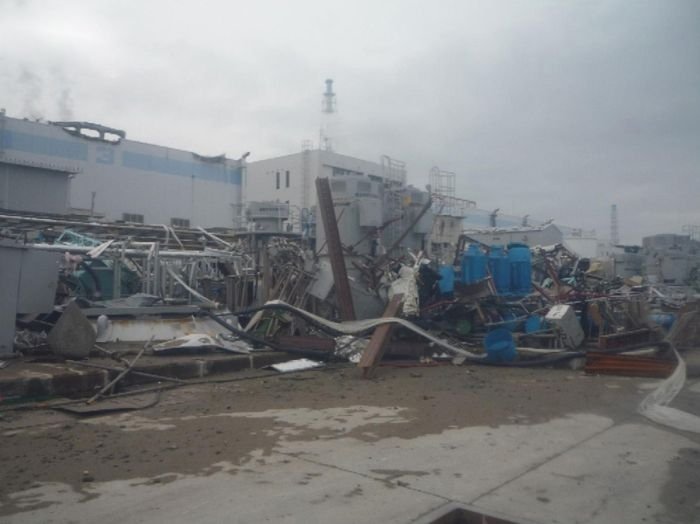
(555, 109)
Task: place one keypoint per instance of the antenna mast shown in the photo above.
(328, 109)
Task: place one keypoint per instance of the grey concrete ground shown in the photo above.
(541, 445)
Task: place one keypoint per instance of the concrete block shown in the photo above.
(227, 365)
(73, 335)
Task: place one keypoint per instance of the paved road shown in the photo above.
(319, 450)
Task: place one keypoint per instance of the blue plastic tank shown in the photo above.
(447, 280)
(499, 265)
(520, 269)
(473, 264)
(534, 323)
(500, 346)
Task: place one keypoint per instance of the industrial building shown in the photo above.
(289, 179)
(671, 259)
(624, 261)
(35, 170)
(90, 169)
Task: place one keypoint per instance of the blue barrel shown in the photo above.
(533, 324)
(499, 346)
(473, 265)
(447, 280)
(499, 266)
(520, 269)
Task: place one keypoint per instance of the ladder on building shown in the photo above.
(394, 204)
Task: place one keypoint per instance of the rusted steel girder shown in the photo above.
(335, 250)
(377, 344)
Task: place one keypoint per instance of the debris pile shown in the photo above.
(117, 289)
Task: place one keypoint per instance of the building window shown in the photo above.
(338, 186)
(132, 217)
(364, 188)
(286, 178)
(180, 222)
(277, 179)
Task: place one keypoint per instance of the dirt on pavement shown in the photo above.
(46, 446)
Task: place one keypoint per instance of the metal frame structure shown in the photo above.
(443, 190)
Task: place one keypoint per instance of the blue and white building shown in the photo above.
(78, 167)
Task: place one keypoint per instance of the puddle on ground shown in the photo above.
(459, 464)
(338, 420)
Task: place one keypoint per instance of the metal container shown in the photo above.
(520, 262)
(474, 264)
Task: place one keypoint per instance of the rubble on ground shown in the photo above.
(163, 291)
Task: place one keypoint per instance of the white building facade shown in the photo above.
(291, 178)
(530, 236)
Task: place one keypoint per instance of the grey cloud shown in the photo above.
(548, 109)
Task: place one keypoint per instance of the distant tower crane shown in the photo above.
(614, 232)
